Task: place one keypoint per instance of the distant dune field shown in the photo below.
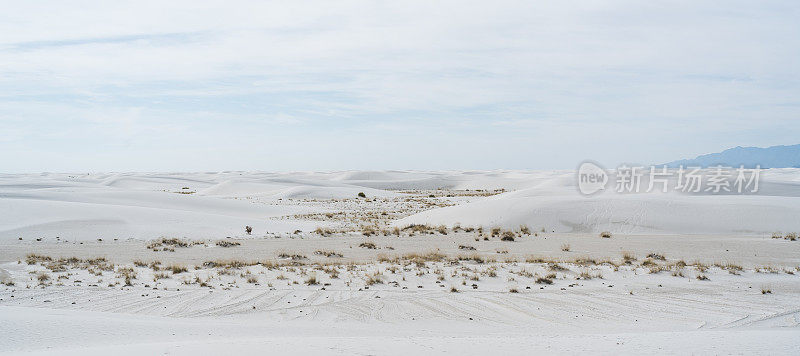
(209, 205)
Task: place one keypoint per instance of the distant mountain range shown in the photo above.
(770, 157)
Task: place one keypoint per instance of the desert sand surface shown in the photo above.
(214, 205)
(424, 262)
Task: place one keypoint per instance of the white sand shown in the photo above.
(630, 310)
(144, 206)
(553, 203)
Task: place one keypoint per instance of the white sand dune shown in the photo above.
(553, 203)
(655, 213)
(142, 205)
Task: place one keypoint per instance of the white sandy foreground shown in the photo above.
(681, 274)
(208, 311)
(469, 307)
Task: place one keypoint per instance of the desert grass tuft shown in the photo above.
(368, 245)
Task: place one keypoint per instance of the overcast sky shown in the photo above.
(335, 85)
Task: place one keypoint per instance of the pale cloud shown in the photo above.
(524, 78)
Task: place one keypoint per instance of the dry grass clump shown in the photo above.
(33, 258)
(57, 265)
(546, 279)
(628, 257)
(167, 244)
(473, 257)
(292, 256)
(382, 257)
(586, 274)
(656, 256)
(420, 258)
(702, 277)
(140, 263)
(155, 265)
(605, 234)
(233, 264)
(731, 268)
(368, 245)
(312, 280)
(767, 269)
(368, 230)
(791, 236)
(175, 269)
(42, 277)
(508, 236)
(99, 263)
(374, 278)
(331, 271)
(553, 266)
(327, 253)
(584, 261)
(678, 264)
(323, 232)
(127, 273)
(649, 262)
(466, 247)
(655, 269)
(419, 228)
(94, 265)
(676, 268)
(537, 259)
(416, 258)
(524, 229)
(201, 282)
(491, 272)
(185, 190)
(224, 243)
(269, 264)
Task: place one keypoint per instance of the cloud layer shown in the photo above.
(360, 85)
